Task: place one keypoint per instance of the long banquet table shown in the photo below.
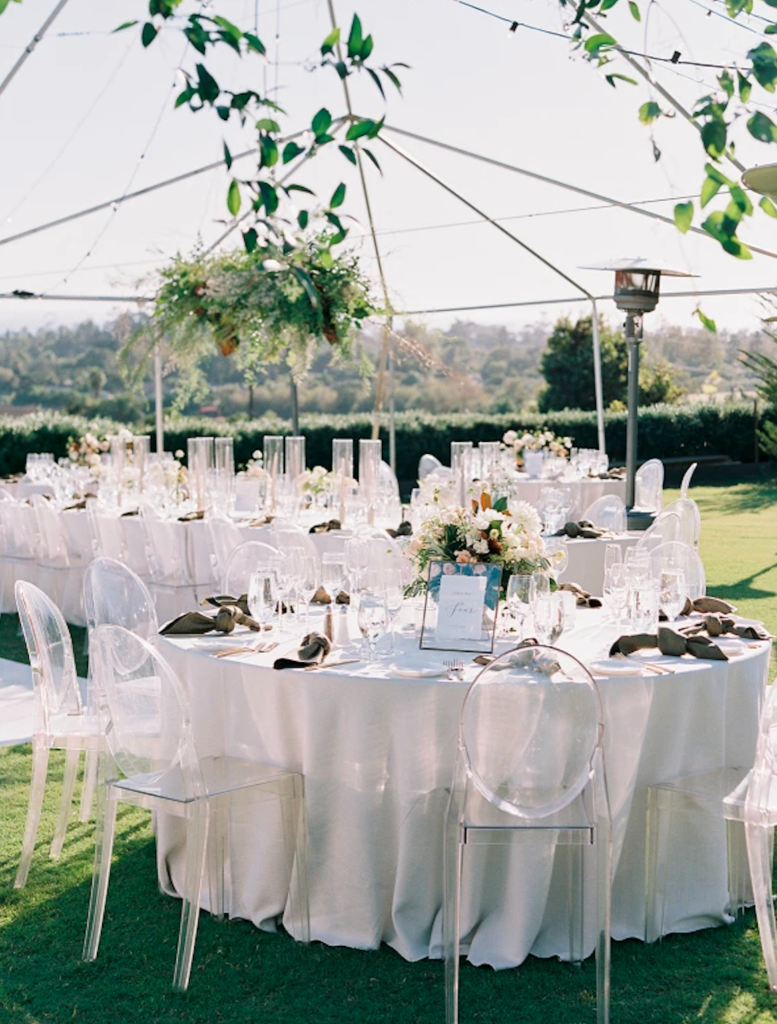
(377, 752)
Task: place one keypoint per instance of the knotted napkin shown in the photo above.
(332, 524)
(191, 517)
(669, 642)
(313, 649)
(227, 601)
(616, 473)
(717, 625)
(584, 599)
(707, 604)
(196, 623)
(405, 529)
(261, 521)
(76, 506)
(582, 528)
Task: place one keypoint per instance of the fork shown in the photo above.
(455, 667)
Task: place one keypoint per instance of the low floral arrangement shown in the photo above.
(542, 440)
(487, 532)
(88, 449)
(317, 481)
(255, 465)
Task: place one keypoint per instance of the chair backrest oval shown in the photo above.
(224, 537)
(649, 486)
(607, 513)
(676, 555)
(531, 726)
(115, 595)
(428, 464)
(168, 559)
(687, 479)
(248, 558)
(144, 709)
(285, 534)
(52, 543)
(689, 520)
(51, 653)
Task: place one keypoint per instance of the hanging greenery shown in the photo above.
(275, 302)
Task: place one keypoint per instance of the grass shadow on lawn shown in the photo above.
(728, 499)
(744, 589)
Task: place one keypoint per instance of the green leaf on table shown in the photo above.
(148, 34)
(233, 198)
(683, 216)
(330, 42)
(338, 196)
(768, 206)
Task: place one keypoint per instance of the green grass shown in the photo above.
(244, 975)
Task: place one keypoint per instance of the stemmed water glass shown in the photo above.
(284, 575)
(549, 617)
(395, 595)
(672, 592)
(308, 576)
(521, 595)
(373, 620)
(262, 595)
(333, 573)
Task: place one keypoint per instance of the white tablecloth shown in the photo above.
(377, 755)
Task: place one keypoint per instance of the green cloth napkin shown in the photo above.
(197, 623)
(227, 601)
(584, 599)
(717, 625)
(132, 512)
(405, 529)
(669, 642)
(192, 517)
(313, 649)
(707, 604)
(581, 529)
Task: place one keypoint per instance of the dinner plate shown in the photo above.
(427, 671)
(614, 667)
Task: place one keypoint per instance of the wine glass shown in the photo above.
(333, 573)
(613, 555)
(521, 595)
(373, 620)
(357, 560)
(395, 595)
(262, 595)
(308, 581)
(672, 592)
(557, 554)
(281, 565)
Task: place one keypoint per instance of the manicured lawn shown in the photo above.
(243, 976)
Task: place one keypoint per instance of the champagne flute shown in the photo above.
(521, 595)
(373, 620)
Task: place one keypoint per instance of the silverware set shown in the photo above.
(262, 647)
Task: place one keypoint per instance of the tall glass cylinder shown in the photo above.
(461, 464)
(272, 449)
(200, 459)
(342, 471)
(295, 457)
(141, 450)
(223, 491)
(490, 458)
(370, 456)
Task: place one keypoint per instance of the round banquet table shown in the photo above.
(377, 751)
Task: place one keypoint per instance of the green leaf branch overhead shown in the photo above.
(718, 115)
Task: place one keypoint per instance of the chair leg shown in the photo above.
(759, 854)
(218, 845)
(604, 921)
(196, 844)
(72, 758)
(576, 902)
(451, 921)
(104, 830)
(292, 806)
(40, 763)
(88, 785)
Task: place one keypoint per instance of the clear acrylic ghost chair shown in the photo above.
(684, 486)
(285, 534)
(607, 513)
(172, 584)
(225, 537)
(110, 540)
(428, 464)
(676, 555)
(688, 520)
(649, 486)
(245, 560)
(530, 760)
(61, 722)
(150, 760)
(389, 485)
(744, 796)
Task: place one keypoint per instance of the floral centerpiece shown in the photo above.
(486, 532)
(539, 441)
(317, 481)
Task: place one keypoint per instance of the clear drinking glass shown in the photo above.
(521, 596)
(672, 592)
(284, 575)
(395, 595)
(373, 621)
(333, 573)
(557, 553)
(613, 555)
(549, 617)
(262, 595)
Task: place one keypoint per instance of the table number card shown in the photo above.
(461, 606)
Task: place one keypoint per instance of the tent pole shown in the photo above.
(158, 401)
(598, 390)
(31, 45)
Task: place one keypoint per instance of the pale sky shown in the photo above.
(88, 104)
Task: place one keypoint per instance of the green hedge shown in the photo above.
(665, 431)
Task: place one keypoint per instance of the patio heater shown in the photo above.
(636, 293)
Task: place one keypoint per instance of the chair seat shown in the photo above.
(498, 826)
(221, 775)
(64, 729)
